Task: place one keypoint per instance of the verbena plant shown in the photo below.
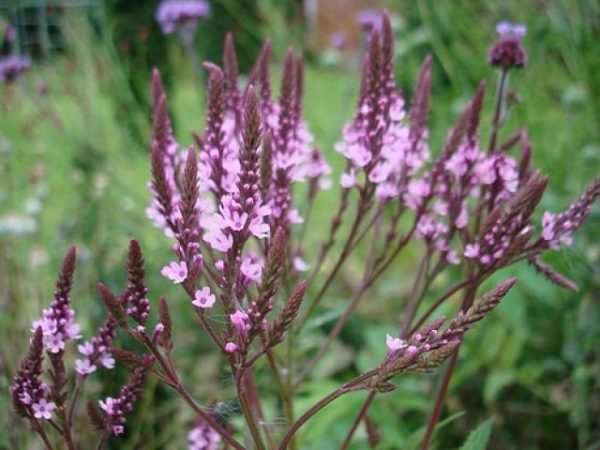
(229, 205)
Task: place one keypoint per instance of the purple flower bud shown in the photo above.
(507, 52)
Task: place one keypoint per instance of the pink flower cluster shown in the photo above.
(30, 393)
(58, 326)
(203, 437)
(114, 409)
(239, 188)
(558, 229)
(96, 351)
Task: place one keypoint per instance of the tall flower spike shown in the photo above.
(387, 54)
(553, 275)
(419, 109)
(282, 152)
(476, 105)
(286, 317)
(164, 150)
(271, 279)
(96, 351)
(29, 393)
(260, 77)
(135, 295)
(188, 234)
(115, 408)
(525, 162)
(248, 182)
(241, 212)
(479, 309)
(213, 153)
(57, 323)
(266, 166)
(429, 347)
(298, 105)
(558, 229)
(230, 68)
(161, 124)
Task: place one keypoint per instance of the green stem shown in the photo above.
(307, 415)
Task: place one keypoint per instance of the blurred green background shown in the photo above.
(74, 165)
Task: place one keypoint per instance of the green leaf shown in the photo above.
(479, 437)
(414, 440)
(495, 382)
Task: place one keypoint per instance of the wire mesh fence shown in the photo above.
(37, 23)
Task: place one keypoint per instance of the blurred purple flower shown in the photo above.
(175, 14)
(369, 19)
(203, 437)
(507, 52)
(12, 67)
(508, 29)
(10, 33)
(339, 40)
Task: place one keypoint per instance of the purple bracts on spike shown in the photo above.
(96, 351)
(134, 298)
(57, 323)
(116, 408)
(30, 394)
(557, 230)
(507, 52)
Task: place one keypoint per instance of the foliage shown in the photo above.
(536, 360)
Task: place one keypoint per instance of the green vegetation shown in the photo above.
(74, 165)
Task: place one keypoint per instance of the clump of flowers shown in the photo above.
(13, 67)
(203, 437)
(230, 205)
(173, 15)
(508, 52)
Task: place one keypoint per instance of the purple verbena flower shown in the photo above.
(369, 19)
(507, 52)
(57, 323)
(115, 408)
(393, 344)
(339, 40)
(96, 351)
(240, 322)
(203, 437)
(42, 409)
(173, 15)
(29, 393)
(558, 229)
(175, 271)
(203, 298)
(12, 67)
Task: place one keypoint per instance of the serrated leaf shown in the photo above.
(479, 437)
